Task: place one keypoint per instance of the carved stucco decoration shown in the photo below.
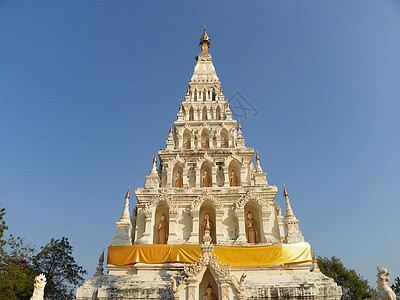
(162, 196)
(250, 195)
(222, 271)
(196, 203)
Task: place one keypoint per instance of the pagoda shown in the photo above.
(206, 225)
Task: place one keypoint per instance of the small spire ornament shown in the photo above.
(315, 263)
(128, 195)
(100, 269)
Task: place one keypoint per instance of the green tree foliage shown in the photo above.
(19, 266)
(396, 286)
(63, 274)
(16, 272)
(354, 286)
(3, 228)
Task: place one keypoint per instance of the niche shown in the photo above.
(234, 173)
(207, 208)
(253, 207)
(162, 209)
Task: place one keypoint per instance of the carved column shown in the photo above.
(242, 229)
(185, 176)
(168, 171)
(225, 291)
(218, 226)
(243, 179)
(214, 176)
(198, 176)
(172, 237)
(265, 212)
(194, 235)
(192, 145)
(148, 228)
(191, 289)
(226, 176)
(281, 228)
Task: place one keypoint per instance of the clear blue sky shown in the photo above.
(88, 90)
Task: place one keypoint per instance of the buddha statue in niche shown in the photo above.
(162, 230)
(207, 223)
(234, 179)
(251, 230)
(224, 142)
(178, 180)
(186, 143)
(205, 144)
(206, 179)
(209, 295)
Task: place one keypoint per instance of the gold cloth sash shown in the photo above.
(236, 256)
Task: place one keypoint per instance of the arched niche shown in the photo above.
(205, 139)
(208, 279)
(177, 170)
(205, 168)
(207, 207)
(162, 208)
(191, 114)
(186, 138)
(234, 173)
(224, 138)
(204, 94)
(195, 95)
(213, 94)
(204, 113)
(255, 209)
(218, 113)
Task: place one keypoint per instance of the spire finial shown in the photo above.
(155, 158)
(257, 157)
(170, 128)
(285, 193)
(239, 126)
(128, 195)
(204, 42)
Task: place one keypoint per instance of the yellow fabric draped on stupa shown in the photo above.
(236, 256)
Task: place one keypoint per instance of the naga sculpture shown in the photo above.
(38, 292)
(384, 290)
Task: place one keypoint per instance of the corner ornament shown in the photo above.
(385, 292)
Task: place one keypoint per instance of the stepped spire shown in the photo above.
(204, 84)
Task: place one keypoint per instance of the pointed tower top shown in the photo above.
(128, 195)
(170, 128)
(257, 156)
(285, 193)
(204, 42)
(155, 158)
(239, 126)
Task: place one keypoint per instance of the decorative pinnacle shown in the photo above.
(289, 211)
(155, 158)
(99, 270)
(285, 193)
(170, 128)
(204, 42)
(239, 126)
(258, 158)
(128, 195)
